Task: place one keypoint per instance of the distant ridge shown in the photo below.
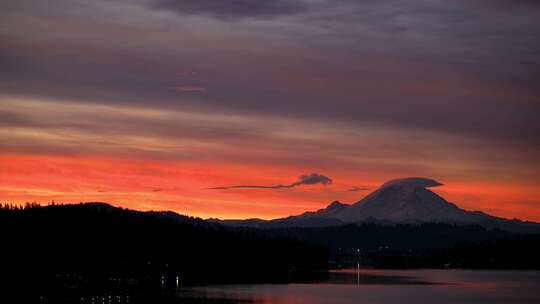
(106, 207)
(398, 201)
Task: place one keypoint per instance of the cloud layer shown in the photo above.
(231, 8)
(449, 66)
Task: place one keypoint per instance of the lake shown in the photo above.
(383, 286)
(364, 286)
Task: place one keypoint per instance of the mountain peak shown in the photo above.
(406, 200)
(335, 205)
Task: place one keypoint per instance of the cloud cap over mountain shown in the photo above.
(413, 182)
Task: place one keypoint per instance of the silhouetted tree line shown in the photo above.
(427, 245)
(515, 253)
(403, 237)
(95, 244)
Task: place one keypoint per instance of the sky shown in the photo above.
(241, 109)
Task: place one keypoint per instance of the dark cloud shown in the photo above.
(432, 65)
(231, 8)
(308, 179)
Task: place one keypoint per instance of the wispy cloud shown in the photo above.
(308, 179)
(231, 9)
(189, 88)
(357, 189)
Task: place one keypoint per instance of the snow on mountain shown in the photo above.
(400, 201)
(406, 200)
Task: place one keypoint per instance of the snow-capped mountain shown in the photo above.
(399, 201)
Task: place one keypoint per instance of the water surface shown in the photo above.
(384, 286)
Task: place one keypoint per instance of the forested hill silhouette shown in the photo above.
(94, 243)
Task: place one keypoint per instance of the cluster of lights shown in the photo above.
(106, 299)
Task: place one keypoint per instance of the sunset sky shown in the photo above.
(153, 104)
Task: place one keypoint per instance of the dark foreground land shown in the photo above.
(56, 249)
(73, 250)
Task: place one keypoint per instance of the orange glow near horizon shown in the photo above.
(79, 152)
(181, 186)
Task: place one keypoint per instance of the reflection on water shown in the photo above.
(341, 287)
(386, 286)
(386, 277)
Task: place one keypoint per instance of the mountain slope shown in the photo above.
(405, 201)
